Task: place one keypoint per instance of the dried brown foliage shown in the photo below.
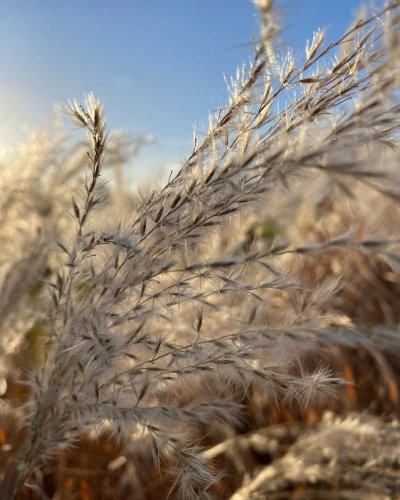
(190, 340)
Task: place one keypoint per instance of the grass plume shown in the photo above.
(255, 288)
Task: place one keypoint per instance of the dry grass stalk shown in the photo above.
(226, 291)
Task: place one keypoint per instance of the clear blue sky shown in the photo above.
(158, 65)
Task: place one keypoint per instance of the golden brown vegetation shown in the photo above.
(234, 333)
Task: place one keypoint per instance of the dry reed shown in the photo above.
(256, 286)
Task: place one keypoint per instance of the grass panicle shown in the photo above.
(220, 335)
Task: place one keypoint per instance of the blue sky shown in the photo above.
(158, 65)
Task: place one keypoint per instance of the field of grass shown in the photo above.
(232, 332)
